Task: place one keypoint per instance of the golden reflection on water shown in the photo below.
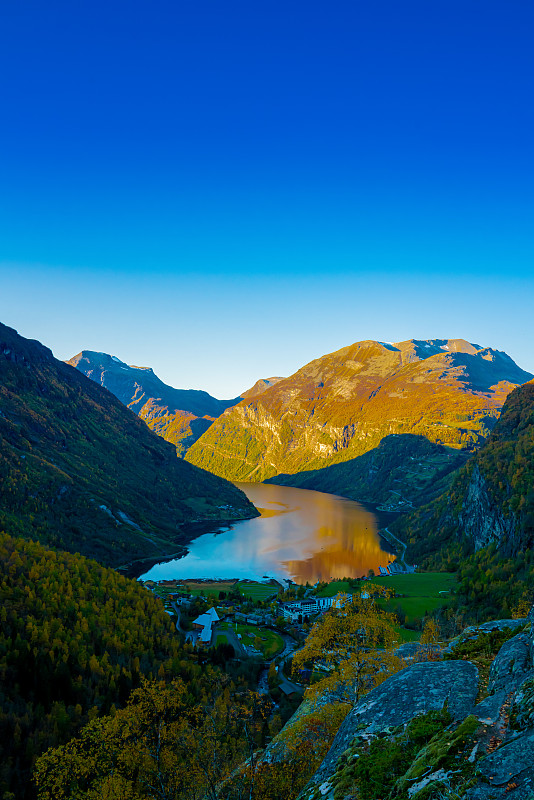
(330, 537)
(302, 535)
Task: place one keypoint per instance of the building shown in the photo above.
(308, 606)
(396, 568)
(204, 626)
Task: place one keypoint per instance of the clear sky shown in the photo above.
(224, 191)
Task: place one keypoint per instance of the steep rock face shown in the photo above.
(80, 472)
(481, 518)
(491, 499)
(179, 416)
(342, 405)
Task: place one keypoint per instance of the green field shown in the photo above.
(163, 591)
(221, 638)
(419, 584)
(270, 644)
(406, 635)
(254, 590)
(334, 588)
(423, 592)
(207, 588)
(257, 591)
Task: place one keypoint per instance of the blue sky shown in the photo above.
(226, 191)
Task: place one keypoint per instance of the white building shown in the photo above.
(204, 624)
(310, 605)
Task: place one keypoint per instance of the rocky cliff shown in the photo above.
(491, 500)
(460, 725)
(344, 404)
(483, 748)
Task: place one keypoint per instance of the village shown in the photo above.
(256, 618)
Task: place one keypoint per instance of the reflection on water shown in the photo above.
(302, 535)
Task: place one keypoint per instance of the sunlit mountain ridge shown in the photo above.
(342, 405)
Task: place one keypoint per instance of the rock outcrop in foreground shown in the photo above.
(439, 728)
(413, 691)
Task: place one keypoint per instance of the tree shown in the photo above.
(272, 676)
(165, 745)
(523, 606)
(298, 750)
(429, 641)
(354, 642)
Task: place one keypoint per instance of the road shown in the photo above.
(233, 640)
(178, 611)
(404, 546)
(287, 652)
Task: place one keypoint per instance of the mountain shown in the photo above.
(491, 500)
(79, 471)
(180, 416)
(342, 405)
(400, 474)
(259, 387)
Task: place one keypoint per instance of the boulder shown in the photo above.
(412, 691)
(511, 664)
(508, 772)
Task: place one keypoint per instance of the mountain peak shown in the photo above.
(343, 404)
(260, 386)
(424, 348)
(178, 415)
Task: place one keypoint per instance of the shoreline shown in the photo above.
(190, 531)
(136, 568)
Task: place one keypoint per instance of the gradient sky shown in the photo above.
(225, 191)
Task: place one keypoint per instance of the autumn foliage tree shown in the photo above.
(353, 644)
(166, 744)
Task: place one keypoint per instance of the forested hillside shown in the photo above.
(400, 474)
(81, 472)
(483, 525)
(491, 499)
(75, 639)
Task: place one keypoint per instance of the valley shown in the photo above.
(180, 416)
(81, 472)
(365, 461)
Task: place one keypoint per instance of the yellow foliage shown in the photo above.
(523, 607)
(429, 640)
(163, 738)
(354, 643)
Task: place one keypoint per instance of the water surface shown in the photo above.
(301, 535)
